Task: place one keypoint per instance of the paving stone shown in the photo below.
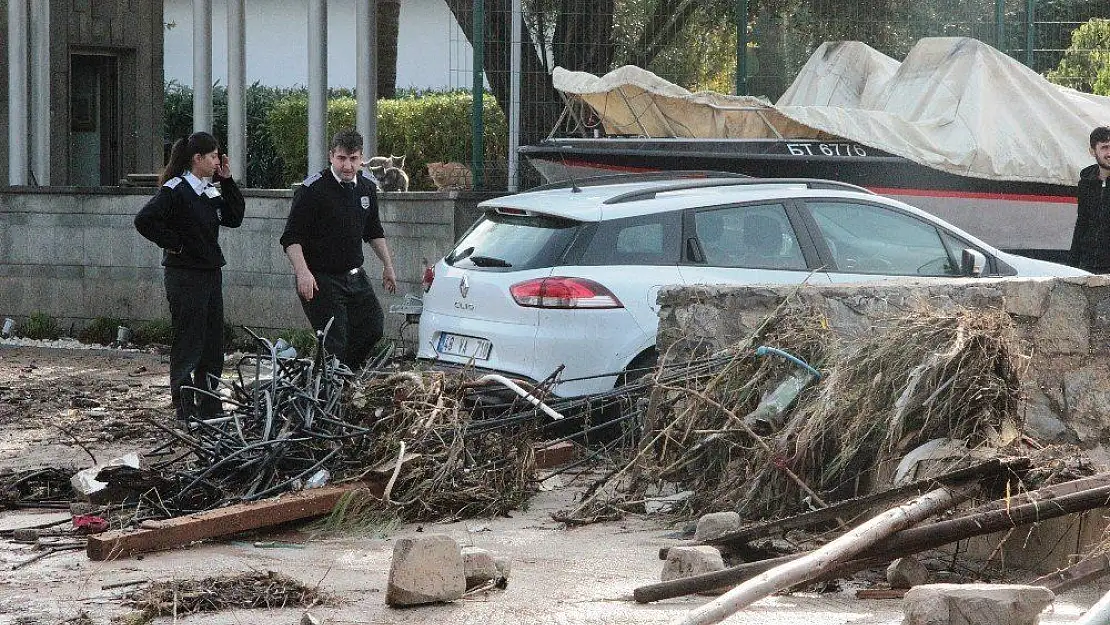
(975, 604)
(425, 569)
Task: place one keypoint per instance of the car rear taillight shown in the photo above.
(563, 293)
(428, 277)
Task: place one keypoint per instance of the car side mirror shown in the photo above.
(972, 263)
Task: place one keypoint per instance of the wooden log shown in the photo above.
(851, 507)
(881, 593)
(1082, 572)
(818, 562)
(220, 522)
(907, 542)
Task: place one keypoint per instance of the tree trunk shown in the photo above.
(389, 23)
(540, 103)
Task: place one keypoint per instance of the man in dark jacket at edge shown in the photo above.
(1090, 243)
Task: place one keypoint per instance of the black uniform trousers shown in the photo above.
(197, 312)
(349, 298)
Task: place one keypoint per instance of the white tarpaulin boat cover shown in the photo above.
(954, 104)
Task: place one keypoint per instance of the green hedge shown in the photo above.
(425, 129)
(424, 126)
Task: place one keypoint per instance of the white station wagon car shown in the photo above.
(567, 275)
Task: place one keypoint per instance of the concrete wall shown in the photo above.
(75, 254)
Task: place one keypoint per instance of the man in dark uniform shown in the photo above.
(332, 214)
(1090, 243)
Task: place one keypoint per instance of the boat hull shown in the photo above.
(1030, 218)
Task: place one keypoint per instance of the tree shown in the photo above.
(1086, 63)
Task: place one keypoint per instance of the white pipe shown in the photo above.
(202, 65)
(366, 73)
(40, 92)
(514, 387)
(18, 109)
(514, 98)
(236, 89)
(1099, 614)
(317, 84)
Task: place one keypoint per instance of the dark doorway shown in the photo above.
(94, 140)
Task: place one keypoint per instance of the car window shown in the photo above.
(642, 240)
(513, 242)
(864, 238)
(748, 236)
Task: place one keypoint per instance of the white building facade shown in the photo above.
(432, 51)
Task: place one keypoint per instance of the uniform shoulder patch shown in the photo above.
(173, 182)
(311, 179)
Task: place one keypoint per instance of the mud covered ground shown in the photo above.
(59, 406)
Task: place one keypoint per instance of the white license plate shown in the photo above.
(464, 346)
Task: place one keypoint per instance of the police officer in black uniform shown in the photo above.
(332, 214)
(197, 196)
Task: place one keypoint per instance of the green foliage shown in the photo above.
(102, 330)
(1086, 62)
(265, 168)
(237, 339)
(40, 326)
(428, 128)
(288, 123)
(154, 332)
(303, 340)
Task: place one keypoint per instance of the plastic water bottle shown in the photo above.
(318, 479)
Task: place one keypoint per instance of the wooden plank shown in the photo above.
(222, 522)
(551, 456)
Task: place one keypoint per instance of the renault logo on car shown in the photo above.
(464, 286)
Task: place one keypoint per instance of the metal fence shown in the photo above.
(695, 44)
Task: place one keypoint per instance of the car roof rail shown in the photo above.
(812, 183)
(650, 176)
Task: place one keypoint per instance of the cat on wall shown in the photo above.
(451, 175)
(388, 172)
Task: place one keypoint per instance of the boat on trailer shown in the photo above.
(957, 129)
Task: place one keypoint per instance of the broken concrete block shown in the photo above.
(975, 604)
(478, 567)
(425, 569)
(694, 560)
(716, 524)
(906, 572)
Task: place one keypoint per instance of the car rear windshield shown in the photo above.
(500, 242)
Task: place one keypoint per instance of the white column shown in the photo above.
(317, 84)
(514, 99)
(236, 89)
(202, 65)
(18, 118)
(366, 73)
(40, 92)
